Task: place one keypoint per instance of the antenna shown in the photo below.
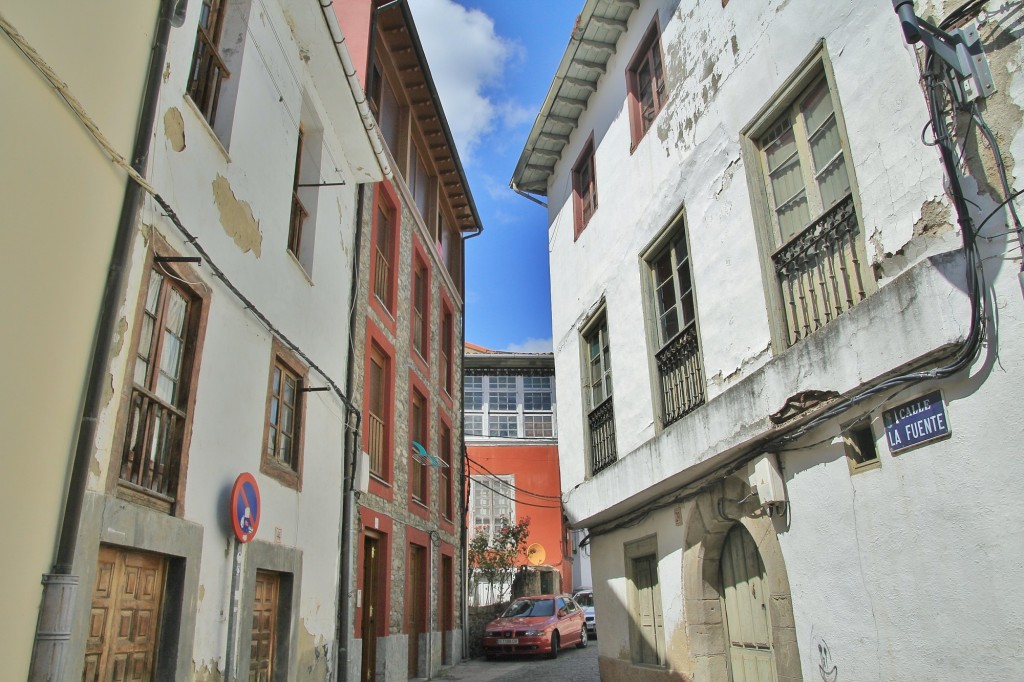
(535, 554)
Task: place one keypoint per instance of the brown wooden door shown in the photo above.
(371, 605)
(125, 616)
(264, 627)
(417, 604)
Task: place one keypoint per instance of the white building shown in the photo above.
(230, 355)
(759, 276)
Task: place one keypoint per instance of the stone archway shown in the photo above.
(711, 516)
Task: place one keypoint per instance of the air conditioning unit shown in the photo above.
(766, 481)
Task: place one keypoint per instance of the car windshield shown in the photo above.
(585, 599)
(530, 607)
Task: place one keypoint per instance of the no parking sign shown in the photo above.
(245, 507)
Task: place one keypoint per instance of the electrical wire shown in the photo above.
(522, 490)
(516, 500)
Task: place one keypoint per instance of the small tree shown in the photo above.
(494, 560)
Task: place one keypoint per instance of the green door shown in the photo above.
(745, 607)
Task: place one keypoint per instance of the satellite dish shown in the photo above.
(535, 554)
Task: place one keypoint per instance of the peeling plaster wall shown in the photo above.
(908, 571)
(234, 194)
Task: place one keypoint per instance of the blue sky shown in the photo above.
(492, 62)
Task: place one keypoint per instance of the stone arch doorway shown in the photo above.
(717, 523)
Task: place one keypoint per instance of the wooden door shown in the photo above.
(371, 605)
(417, 604)
(264, 626)
(648, 600)
(125, 616)
(745, 607)
(447, 607)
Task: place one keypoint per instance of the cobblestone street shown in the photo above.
(579, 665)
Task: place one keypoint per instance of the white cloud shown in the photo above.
(466, 57)
(531, 346)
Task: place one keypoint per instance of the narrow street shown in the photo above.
(579, 665)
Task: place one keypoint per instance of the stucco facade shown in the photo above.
(872, 562)
(229, 353)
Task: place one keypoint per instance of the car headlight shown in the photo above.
(493, 634)
(534, 633)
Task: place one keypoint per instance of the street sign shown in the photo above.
(245, 507)
(916, 422)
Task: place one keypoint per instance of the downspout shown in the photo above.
(53, 627)
(463, 527)
(350, 447)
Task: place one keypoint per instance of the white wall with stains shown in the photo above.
(234, 193)
(908, 571)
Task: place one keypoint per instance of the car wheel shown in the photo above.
(584, 638)
(554, 645)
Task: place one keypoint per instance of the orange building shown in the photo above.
(512, 459)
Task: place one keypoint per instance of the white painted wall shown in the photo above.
(913, 570)
(310, 309)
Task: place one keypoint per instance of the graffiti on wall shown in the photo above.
(821, 658)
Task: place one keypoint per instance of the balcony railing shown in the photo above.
(681, 375)
(375, 427)
(152, 448)
(382, 277)
(208, 70)
(819, 271)
(602, 436)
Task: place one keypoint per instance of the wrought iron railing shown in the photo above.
(208, 70)
(602, 436)
(153, 441)
(375, 446)
(819, 271)
(681, 375)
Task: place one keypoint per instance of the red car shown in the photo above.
(536, 625)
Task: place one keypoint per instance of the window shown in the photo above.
(809, 232)
(419, 477)
(208, 67)
(378, 387)
(645, 81)
(509, 406)
(444, 447)
(166, 366)
(584, 187)
(282, 434)
(420, 307)
(678, 357)
(419, 181)
(385, 106)
(447, 348)
(598, 390)
(384, 251)
(492, 499)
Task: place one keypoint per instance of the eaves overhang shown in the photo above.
(397, 31)
(593, 42)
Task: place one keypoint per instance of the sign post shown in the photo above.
(245, 507)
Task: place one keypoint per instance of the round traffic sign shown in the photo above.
(245, 507)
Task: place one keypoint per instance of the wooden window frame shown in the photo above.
(446, 482)
(817, 65)
(287, 475)
(298, 211)
(584, 187)
(189, 280)
(420, 319)
(604, 410)
(648, 53)
(447, 347)
(208, 68)
(381, 483)
(386, 225)
(419, 500)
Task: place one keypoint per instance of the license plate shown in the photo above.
(508, 641)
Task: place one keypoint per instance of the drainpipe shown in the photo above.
(464, 530)
(60, 586)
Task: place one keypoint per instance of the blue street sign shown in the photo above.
(916, 422)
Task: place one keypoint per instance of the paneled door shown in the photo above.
(745, 606)
(371, 605)
(264, 626)
(417, 607)
(125, 616)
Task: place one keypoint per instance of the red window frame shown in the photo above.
(648, 56)
(386, 235)
(447, 349)
(420, 306)
(376, 343)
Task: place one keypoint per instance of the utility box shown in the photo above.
(766, 481)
